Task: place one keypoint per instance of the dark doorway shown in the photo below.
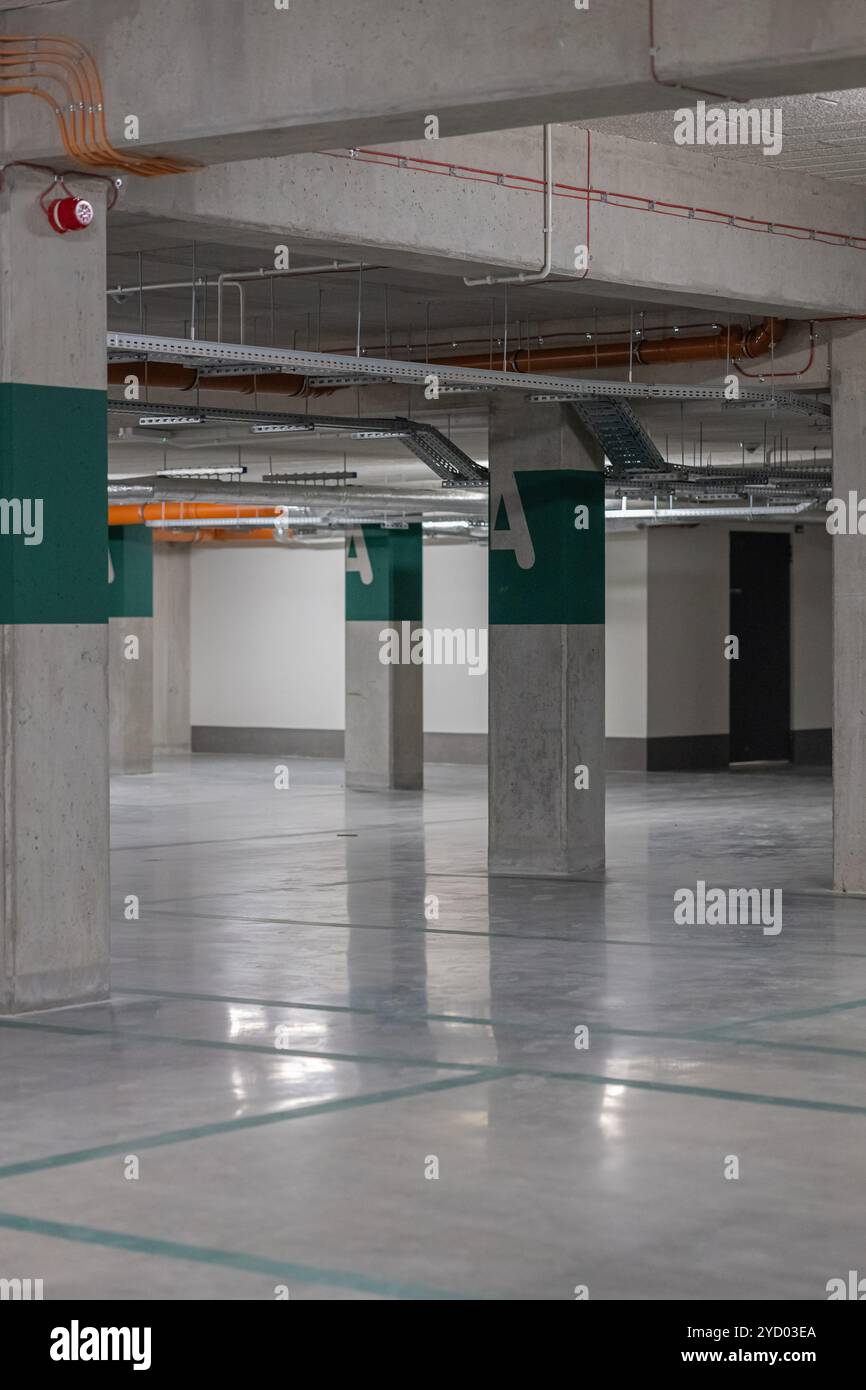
(761, 619)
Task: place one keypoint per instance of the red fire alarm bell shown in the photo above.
(69, 214)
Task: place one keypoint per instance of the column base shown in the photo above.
(384, 721)
(130, 696)
(54, 989)
(546, 734)
(54, 947)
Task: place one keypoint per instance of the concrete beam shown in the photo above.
(211, 81)
(416, 214)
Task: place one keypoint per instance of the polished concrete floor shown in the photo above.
(295, 1036)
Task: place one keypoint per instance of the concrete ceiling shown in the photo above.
(322, 311)
(822, 134)
(412, 303)
(691, 432)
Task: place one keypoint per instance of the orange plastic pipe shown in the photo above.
(136, 513)
(88, 146)
(731, 343)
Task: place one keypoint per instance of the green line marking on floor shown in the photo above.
(285, 1272)
(225, 1045)
(678, 945)
(160, 908)
(246, 1122)
(710, 1034)
(780, 1045)
(704, 1092)
(791, 1014)
(478, 1071)
(260, 1003)
(323, 833)
(401, 1016)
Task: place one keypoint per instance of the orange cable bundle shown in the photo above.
(81, 120)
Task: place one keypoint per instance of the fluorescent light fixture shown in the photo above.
(162, 420)
(378, 434)
(238, 523)
(280, 429)
(202, 472)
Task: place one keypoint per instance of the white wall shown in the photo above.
(626, 634)
(268, 634)
(455, 595)
(267, 638)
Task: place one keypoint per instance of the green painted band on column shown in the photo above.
(130, 573)
(53, 466)
(547, 548)
(384, 569)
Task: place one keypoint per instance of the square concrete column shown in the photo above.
(54, 904)
(171, 648)
(848, 364)
(384, 686)
(130, 648)
(546, 684)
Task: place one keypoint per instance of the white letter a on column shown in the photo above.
(357, 558)
(516, 537)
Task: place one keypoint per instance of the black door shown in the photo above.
(761, 619)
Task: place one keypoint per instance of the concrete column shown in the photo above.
(546, 788)
(53, 604)
(130, 648)
(171, 648)
(848, 363)
(384, 698)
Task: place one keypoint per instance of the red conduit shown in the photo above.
(588, 203)
(634, 202)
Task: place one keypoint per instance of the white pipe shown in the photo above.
(255, 523)
(702, 513)
(232, 277)
(533, 277)
(242, 296)
(447, 502)
(200, 283)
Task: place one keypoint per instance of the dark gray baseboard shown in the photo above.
(813, 747)
(695, 753)
(325, 743)
(688, 753)
(456, 748)
(625, 754)
(291, 743)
